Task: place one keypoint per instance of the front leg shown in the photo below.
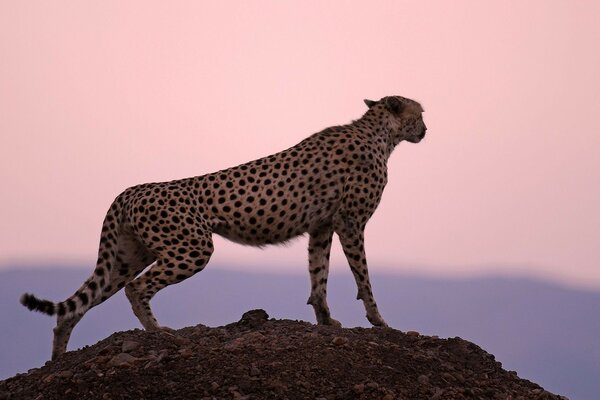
(319, 247)
(352, 240)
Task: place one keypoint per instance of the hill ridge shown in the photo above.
(262, 358)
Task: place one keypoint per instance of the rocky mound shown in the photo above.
(257, 358)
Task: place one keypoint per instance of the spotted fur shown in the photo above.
(329, 183)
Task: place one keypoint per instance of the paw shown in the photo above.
(377, 321)
(166, 330)
(331, 322)
(334, 322)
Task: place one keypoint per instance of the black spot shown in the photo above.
(71, 304)
(83, 297)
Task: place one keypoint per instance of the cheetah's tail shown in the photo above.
(35, 304)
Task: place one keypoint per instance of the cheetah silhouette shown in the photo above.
(330, 182)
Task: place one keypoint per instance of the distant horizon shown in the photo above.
(500, 272)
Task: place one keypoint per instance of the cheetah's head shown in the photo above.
(403, 117)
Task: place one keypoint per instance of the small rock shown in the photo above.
(423, 380)
(186, 352)
(448, 377)
(180, 340)
(339, 341)
(66, 374)
(253, 338)
(234, 345)
(254, 318)
(98, 360)
(387, 397)
(129, 345)
(106, 350)
(359, 388)
(413, 333)
(163, 354)
(254, 371)
(238, 396)
(123, 360)
(459, 377)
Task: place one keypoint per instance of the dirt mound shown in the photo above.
(257, 358)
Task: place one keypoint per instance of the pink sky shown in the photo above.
(99, 96)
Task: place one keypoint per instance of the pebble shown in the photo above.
(459, 377)
(448, 377)
(423, 380)
(438, 394)
(359, 388)
(97, 360)
(162, 355)
(65, 374)
(339, 341)
(180, 340)
(123, 360)
(413, 333)
(233, 345)
(236, 395)
(186, 352)
(129, 345)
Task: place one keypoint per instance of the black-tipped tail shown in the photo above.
(35, 304)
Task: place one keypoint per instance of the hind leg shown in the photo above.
(62, 333)
(173, 265)
(114, 269)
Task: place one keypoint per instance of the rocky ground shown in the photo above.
(257, 358)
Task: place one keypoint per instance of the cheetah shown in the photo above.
(331, 182)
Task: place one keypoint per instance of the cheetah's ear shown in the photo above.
(394, 105)
(369, 103)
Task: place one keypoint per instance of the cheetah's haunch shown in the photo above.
(330, 182)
